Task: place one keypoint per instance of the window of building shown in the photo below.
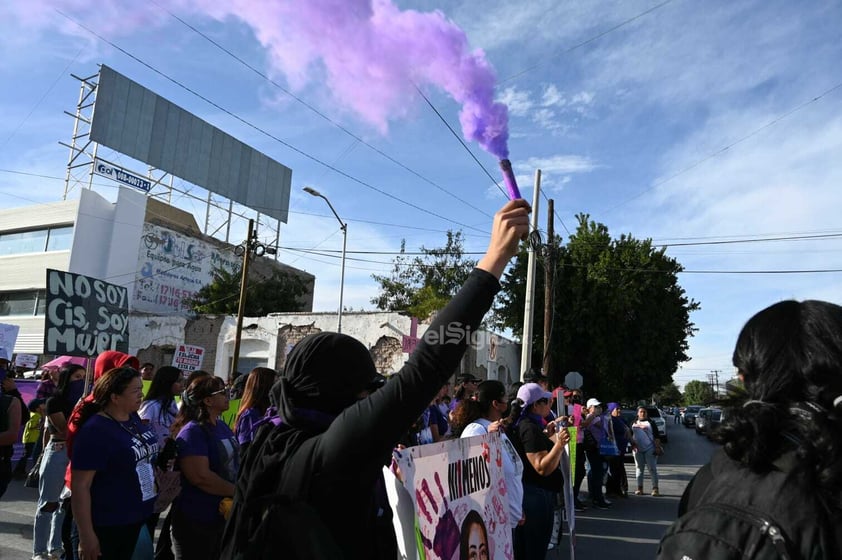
(60, 238)
(36, 241)
(24, 302)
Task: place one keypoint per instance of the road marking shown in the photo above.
(635, 540)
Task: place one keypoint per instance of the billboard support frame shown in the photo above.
(81, 160)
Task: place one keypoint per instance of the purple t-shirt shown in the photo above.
(245, 425)
(218, 444)
(123, 455)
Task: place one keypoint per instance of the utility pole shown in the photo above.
(526, 350)
(716, 373)
(549, 275)
(246, 249)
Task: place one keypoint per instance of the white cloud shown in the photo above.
(519, 102)
(552, 97)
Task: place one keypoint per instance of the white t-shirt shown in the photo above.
(158, 420)
(512, 469)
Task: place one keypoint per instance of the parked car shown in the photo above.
(702, 420)
(717, 415)
(689, 416)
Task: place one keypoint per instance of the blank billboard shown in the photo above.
(133, 120)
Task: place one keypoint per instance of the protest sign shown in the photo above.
(85, 316)
(28, 361)
(459, 494)
(8, 338)
(188, 358)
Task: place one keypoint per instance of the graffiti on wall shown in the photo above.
(172, 267)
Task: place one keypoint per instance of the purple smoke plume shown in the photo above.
(372, 55)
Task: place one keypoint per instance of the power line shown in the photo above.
(260, 130)
(726, 148)
(320, 113)
(588, 41)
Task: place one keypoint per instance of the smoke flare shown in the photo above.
(371, 55)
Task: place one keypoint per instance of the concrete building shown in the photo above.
(155, 250)
(266, 341)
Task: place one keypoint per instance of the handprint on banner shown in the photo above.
(445, 540)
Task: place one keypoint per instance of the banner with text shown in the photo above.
(188, 358)
(459, 495)
(8, 339)
(172, 267)
(85, 316)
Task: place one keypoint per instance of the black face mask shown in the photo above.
(576, 399)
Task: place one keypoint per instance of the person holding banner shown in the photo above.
(325, 458)
(540, 445)
(482, 415)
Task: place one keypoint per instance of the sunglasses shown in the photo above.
(542, 401)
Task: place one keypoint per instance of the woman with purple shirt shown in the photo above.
(254, 404)
(208, 458)
(113, 482)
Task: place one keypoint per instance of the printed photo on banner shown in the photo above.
(459, 497)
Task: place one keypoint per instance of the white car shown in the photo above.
(656, 418)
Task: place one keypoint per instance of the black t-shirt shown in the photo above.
(532, 439)
(54, 405)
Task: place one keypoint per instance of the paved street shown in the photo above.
(630, 530)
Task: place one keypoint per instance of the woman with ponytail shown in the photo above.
(208, 459)
(485, 414)
(49, 515)
(782, 455)
(540, 445)
(113, 482)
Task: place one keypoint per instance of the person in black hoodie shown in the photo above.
(308, 485)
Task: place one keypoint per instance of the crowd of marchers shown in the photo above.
(159, 464)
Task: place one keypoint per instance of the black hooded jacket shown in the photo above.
(333, 465)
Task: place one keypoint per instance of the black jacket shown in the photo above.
(335, 472)
(810, 523)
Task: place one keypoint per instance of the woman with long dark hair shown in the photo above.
(482, 415)
(158, 409)
(254, 403)
(49, 515)
(208, 459)
(781, 455)
(113, 482)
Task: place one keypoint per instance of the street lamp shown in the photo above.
(344, 227)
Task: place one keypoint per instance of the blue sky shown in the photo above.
(680, 121)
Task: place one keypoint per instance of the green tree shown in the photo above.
(280, 292)
(619, 315)
(669, 394)
(698, 392)
(422, 285)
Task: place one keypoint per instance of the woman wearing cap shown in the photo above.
(598, 427)
(326, 456)
(617, 484)
(540, 446)
(482, 415)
